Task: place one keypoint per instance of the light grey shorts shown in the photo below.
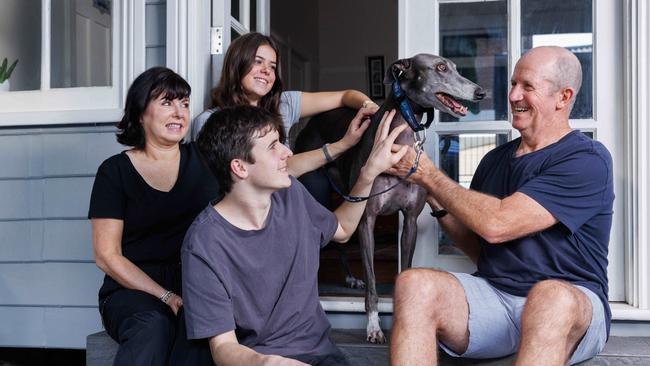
(495, 322)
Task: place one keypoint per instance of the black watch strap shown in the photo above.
(439, 213)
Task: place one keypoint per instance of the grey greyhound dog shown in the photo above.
(427, 81)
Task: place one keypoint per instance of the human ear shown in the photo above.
(566, 95)
(239, 168)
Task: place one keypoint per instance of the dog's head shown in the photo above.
(433, 82)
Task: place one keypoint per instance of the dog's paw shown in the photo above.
(376, 337)
(373, 330)
(353, 282)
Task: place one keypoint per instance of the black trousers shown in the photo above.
(149, 333)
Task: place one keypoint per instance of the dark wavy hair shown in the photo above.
(239, 62)
(229, 134)
(148, 86)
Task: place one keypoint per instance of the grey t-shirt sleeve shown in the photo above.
(320, 217)
(290, 108)
(199, 121)
(208, 307)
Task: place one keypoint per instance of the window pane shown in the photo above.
(475, 37)
(81, 43)
(459, 158)
(20, 27)
(566, 23)
(234, 9)
(156, 32)
(253, 16)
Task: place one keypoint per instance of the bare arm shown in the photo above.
(107, 245)
(314, 103)
(496, 220)
(380, 159)
(302, 163)
(226, 351)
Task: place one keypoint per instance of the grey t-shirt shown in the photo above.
(289, 109)
(261, 283)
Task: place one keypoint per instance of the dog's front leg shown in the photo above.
(367, 241)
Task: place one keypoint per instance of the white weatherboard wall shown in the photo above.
(48, 277)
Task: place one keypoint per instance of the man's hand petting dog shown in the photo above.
(425, 167)
(382, 156)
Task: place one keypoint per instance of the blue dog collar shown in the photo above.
(406, 110)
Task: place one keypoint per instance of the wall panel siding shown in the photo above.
(67, 240)
(54, 327)
(21, 241)
(49, 284)
(48, 278)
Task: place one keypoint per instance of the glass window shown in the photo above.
(234, 9)
(156, 32)
(460, 155)
(20, 27)
(81, 44)
(566, 23)
(475, 37)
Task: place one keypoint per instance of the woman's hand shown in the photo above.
(175, 302)
(357, 127)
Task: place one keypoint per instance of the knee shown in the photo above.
(559, 298)
(153, 326)
(417, 285)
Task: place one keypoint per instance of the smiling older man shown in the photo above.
(536, 220)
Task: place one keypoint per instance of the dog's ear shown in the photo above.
(397, 68)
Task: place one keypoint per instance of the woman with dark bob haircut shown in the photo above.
(143, 201)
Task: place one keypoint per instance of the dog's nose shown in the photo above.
(479, 93)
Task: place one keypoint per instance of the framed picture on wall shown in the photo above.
(376, 77)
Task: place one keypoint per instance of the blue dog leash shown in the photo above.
(414, 168)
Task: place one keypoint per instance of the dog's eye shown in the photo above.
(441, 67)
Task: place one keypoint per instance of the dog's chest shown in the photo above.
(405, 196)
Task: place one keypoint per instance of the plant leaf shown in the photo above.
(11, 68)
(3, 68)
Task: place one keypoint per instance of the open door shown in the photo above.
(232, 18)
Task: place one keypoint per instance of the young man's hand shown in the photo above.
(382, 157)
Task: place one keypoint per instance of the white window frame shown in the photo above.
(636, 94)
(51, 106)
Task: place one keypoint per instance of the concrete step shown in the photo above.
(629, 351)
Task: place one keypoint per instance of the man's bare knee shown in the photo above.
(558, 305)
(421, 285)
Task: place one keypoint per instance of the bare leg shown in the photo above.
(555, 318)
(428, 305)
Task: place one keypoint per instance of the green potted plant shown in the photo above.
(5, 74)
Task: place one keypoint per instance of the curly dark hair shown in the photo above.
(229, 134)
(239, 62)
(148, 86)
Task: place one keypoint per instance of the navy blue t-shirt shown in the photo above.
(572, 179)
